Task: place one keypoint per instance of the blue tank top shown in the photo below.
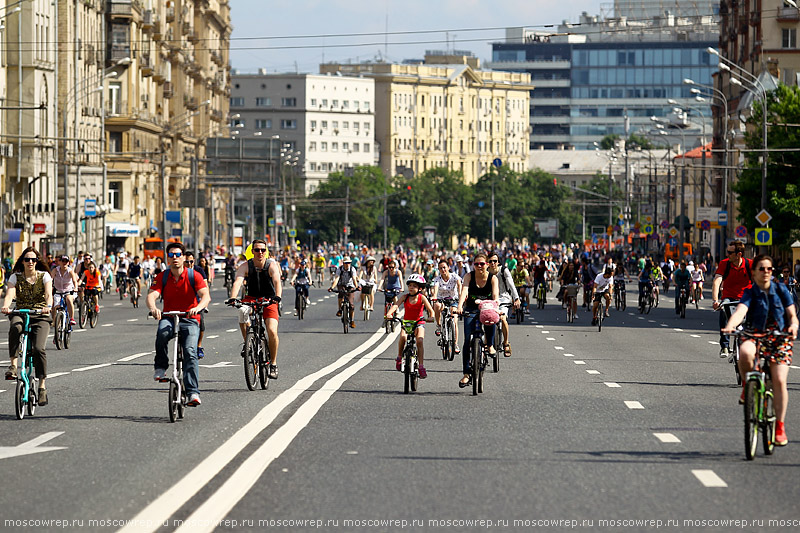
(392, 282)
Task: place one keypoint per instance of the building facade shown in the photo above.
(326, 121)
(611, 75)
(446, 112)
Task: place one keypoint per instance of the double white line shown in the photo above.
(219, 504)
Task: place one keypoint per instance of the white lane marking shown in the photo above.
(612, 385)
(709, 479)
(545, 332)
(4, 362)
(539, 326)
(558, 347)
(181, 492)
(792, 366)
(652, 321)
(664, 325)
(630, 314)
(695, 336)
(633, 405)
(215, 303)
(32, 446)
(231, 330)
(3, 390)
(117, 305)
(222, 364)
(219, 504)
(666, 437)
(133, 320)
(134, 356)
(677, 329)
(713, 342)
(51, 376)
(569, 355)
(106, 325)
(593, 372)
(212, 337)
(579, 362)
(313, 303)
(641, 318)
(549, 339)
(91, 367)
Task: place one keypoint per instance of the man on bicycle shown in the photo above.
(446, 288)
(263, 275)
(179, 294)
(135, 274)
(682, 278)
(301, 279)
(733, 274)
(345, 281)
(603, 288)
(319, 266)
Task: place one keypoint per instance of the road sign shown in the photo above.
(648, 228)
(673, 241)
(637, 226)
(705, 225)
(174, 216)
(763, 217)
(617, 227)
(673, 231)
(664, 224)
(705, 240)
(497, 162)
(293, 233)
(763, 237)
(648, 219)
(722, 218)
(610, 229)
(90, 207)
(741, 231)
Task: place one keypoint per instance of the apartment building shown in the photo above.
(326, 121)
(446, 112)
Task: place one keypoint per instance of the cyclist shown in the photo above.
(191, 265)
(656, 276)
(179, 294)
(508, 296)
(369, 279)
(697, 280)
(645, 280)
(135, 274)
(121, 273)
(92, 284)
(682, 278)
(334, 262)
(603, 288)
(345, 279)
(414, 304)
(32, 287)
(767, 306)
(570, 277)
(520, 276)
(478, 285)
(319, 266)
(446, 288)
(263, 276)
(619, 277)
(539, 276)
(391, 282)
(65, 280)
(733, 274)
(301, 279)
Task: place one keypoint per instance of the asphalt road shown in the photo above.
(638, 422)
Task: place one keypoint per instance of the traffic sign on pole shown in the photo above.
(722, 218)
(763, 217)
(741, 231)
(648, 228)
(497, 162)
(673, 231)
(705, 225)
(763, 237)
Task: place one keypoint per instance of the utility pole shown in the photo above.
(196, 222)
(347, 216)
(163, 206)
(493, 220)
(683, 210)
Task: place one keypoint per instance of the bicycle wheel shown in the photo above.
(768, 431)
(697, 298)
(251, 359)
(263, 366)
(58, 334)
(93, 318)
(683, 307)
(751, 418)
(624, 297)
(33, 401)
(406, 372)
(297, 305)
(648, 305)
(475, 370)
(414, 374)
(499, 340)
(736, 362)
(617, 303)
(174, 400)
(19, 399)
(366, 312)
(303, 305)
(67, 336)
(387, 326)
(83, 311)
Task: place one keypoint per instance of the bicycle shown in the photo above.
(408, 363)
(570, 312)
(63, 329)
(88, 312)
(759, 411)
(726, 306)
(541, 295)
(389, 296)
(479, 355)
(257, 357)
(683, 301)
(447, 339)
(25, 394)
(367, 310)
(601, 311)
(134, 292)
(697, 296)
(346, 307)
(319, 276)
(122, 286)
(499, 342)
(300, 301)
(176, 401)
(519, 313)
(620, 297)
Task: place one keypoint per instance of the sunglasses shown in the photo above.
(259, 250)
(479, 264)
(493, 261)
(190, 261)
(30, 259)
(731, 252)
(174, 254)
(765, 269)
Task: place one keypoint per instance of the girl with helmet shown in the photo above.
(414, 304)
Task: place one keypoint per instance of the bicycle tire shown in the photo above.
(475, 365)
(303, 307)
(406, 373)
(263, 366)
(648, 305)
(414, 374)
(297, 304)
(93, 315)
(697, 299)
(83, 310)
(173, 401)
(19, 401)
(751, 419)
(32, 399)
(624, 297)
(600, 314)
(768, 431)
(67, 337)
(250, 360)
(498, 346)
(451, 338)
(58, 334)
(736, 362)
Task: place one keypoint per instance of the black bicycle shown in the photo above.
(257, 357)
(620, 299)
(409, 365)
(683, 301)
(727, 307)
(389, 299)
(63, 329)
(447, 337)
(346, 307)
(519, 313)
(300, 300)
(479, 354)
(176, 401)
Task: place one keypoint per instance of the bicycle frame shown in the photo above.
(26, 370)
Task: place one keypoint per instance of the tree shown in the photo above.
(609, 141)
(783, 193)
(597, 207)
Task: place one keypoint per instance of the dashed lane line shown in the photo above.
(569, 355)
(549, 339)
(633, 405)
(677, 329)
(212, 337)
(709, 479)
(133, 320)
(612, 385)
(641, 318)
(664, 325)
(666, 437)
(134, 356)
(91, 367)
(57, 374)
(539, 326)
(579, 362)
(117, 305)
(695, 336)
(652, 321)
(231, 330)
(558, 347)
(545, 332)
(593, 372)
(106, 325)
(713, 342)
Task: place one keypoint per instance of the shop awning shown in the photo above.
(12, 235)
(121, 229)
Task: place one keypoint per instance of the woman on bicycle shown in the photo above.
(369, 279)
(446, 288)
(92, 283)
(32, 286)
(64, 281)
(414, 304)
(479, 284)
(391, 283)
(570, 277)
(767, 306)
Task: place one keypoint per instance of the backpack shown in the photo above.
(747, 263)
(191, 282)
(502, 276)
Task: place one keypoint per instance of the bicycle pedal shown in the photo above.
(165, 380)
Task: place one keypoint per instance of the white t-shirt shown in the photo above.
(447, 289)
(602, 284)
(697, 274)
(12, 281)
(62, 282)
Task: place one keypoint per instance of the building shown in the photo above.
(327, 121)
(610, 75)
(446, 112)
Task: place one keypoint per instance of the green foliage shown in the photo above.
(783, 192)
(634, 142)
(608, 142)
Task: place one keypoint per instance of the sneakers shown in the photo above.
(273, 372)
(724, 352)
(741, 398)
(339, 312)
(43, 397)
(160, 374)
(352, 325)
(96, 308)
(11, 373)
(780, 435)
(398, 363)
(608, 314)
(422, 372)
(194, 400)
(72, 322)
(200, 352)
(594, 321)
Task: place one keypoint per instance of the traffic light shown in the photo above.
(408, 187)
(555, 182)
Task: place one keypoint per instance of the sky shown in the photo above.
(297, 35)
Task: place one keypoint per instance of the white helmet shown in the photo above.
(416, 278)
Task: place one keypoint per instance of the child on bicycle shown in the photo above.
(767, 306)
(414, 303)
(92, 283)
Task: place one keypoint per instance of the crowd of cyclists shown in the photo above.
(755, 292)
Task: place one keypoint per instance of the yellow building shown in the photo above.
(448, 113)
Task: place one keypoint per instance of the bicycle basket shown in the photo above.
(489, 312)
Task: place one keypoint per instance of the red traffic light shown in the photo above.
(408, 187)
(555, 182)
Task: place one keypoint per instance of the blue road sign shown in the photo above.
(497, 162)
(90, 207)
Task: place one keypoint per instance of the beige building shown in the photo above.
(447, 112)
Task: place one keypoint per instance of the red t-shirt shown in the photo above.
(179, 295)
(737, 281)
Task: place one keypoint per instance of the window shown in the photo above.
(263, 102)
(324, 102)
(355, 147)
(366, 147)
(345, 147)
(366, 106)
(313, 124)
(288, 102)
(355, 126)
(345, 125)
(324, 147)
(345, 104)
(237, 123)
(355, 104)
(336, 124)
(324, 124)
(313, 102)
(115, 141)
(312, 166)
(237, 101)
(288, 124)
(335, 103)
(312, 146)
(263, 124)
(366, 126)
(789, 38)
(334, 147)
(115, 195)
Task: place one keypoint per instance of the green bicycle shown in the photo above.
(25, 400)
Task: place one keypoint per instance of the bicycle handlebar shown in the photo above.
(258, 302)
(759, 335)
(20, 312)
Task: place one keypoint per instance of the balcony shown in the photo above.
(147, 20)
(168, 89)
(119, 51)
(190, 102)
(193, 37)
(170, 14)
(186, 27)
(146, 65)
(788, 14)
(124, 9)
(216, 115)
